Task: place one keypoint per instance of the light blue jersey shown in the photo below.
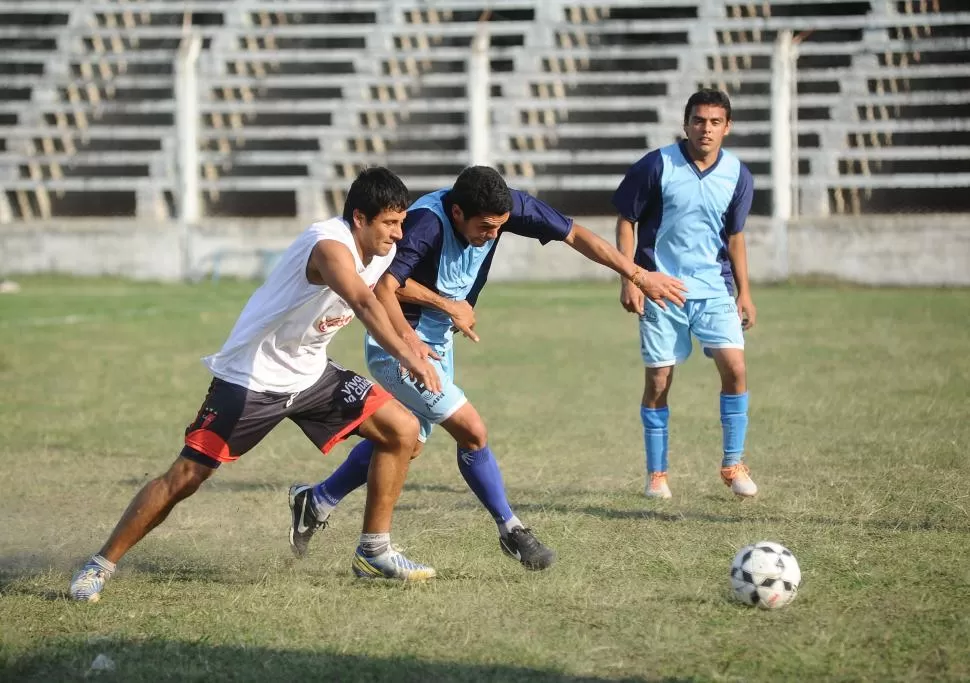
(458, 264)
(685, 216)
(435, 255)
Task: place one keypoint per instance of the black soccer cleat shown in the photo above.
(522, 544)
(304, 522)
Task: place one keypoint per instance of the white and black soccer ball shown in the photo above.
(765, 574)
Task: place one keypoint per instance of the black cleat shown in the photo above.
(522, 544)
(304, 522)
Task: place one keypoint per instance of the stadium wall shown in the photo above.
(875, 250)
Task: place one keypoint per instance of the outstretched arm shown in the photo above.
(656, 286)
(332, 264)
(460, 312)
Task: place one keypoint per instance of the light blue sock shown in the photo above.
(734, 426)
(655, 437)
(481, 473)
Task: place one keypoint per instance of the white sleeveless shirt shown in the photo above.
(279, 343)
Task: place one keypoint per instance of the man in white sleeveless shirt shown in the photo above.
(275, 365)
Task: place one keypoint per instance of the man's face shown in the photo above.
(706, 128)
(478, 230)
(380, 233)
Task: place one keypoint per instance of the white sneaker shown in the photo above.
(657, 486)
(738, 477)
(390, 564)
(87, 584)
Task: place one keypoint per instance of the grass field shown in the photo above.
(860, 426)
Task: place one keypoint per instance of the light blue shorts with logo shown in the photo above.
(665, 335)
(430, 409)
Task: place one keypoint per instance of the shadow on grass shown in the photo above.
(149, 660)
(31, 574)
(691, 516)
(435, 488)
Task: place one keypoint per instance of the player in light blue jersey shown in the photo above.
(442, 263)
(686, 205)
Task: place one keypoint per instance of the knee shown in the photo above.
(657, 383)
(476, 438)
(734, 371)
(400, 430)
(185, 477)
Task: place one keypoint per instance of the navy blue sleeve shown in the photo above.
(639, 186)
(422, 236)
(531, 217)
(740, 206)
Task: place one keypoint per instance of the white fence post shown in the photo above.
(479, 99)
(187, 132)
(6, 212)
(782, 159)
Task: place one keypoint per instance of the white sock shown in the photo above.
(505, 527)
(323, 510)
(375, 544)
(106, 565)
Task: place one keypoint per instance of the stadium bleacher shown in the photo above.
(297, 96)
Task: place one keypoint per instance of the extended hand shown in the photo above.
(423, 373)
(420, 349)
(463, 318)
(657, 287)
(746, 311)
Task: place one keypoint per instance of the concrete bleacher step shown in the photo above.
(299, 92)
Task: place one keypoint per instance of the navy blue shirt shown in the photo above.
(435, 255)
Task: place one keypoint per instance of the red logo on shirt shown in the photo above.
(326, 324)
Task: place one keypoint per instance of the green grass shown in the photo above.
(860, 424)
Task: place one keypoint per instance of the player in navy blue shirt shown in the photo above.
(685, 205)
(429, 291)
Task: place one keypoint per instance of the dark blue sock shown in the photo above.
(655, 437)
(480, 470)
(352, 474)
(734, 426)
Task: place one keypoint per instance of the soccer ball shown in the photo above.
(765, 574)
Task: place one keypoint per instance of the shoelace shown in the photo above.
(403, 562)
(524, 536)
(735, 470)
(92, 573)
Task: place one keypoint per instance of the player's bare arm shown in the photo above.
(332, 264)
(738, 254)
(386, 292)
(658, 287)
(461, 312)
(630, 296)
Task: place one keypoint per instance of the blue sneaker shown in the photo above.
(87, 584)
(390, 565)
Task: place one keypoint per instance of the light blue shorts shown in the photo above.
(430, 409)
(665, 335)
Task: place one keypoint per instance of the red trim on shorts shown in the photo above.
(376, 398)
(211, 444)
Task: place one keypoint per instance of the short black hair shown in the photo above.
(374, 190)
(479, 190)
(715, 98)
